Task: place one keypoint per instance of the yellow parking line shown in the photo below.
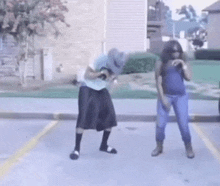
(208, 142)
(5, 168)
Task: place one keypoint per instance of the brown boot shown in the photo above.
(158, 150)
(189, 151)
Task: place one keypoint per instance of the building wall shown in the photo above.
(126, 25)
(96, 27)
(213, 31)
(79, 43)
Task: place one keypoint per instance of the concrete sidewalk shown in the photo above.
(126, 109)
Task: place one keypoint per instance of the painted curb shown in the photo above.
(120, 117)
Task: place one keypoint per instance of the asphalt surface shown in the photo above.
(35, 148)
(47, 162)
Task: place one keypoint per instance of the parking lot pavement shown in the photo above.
(48, 164)
(15, 133)
(18, 137)
(211, 132)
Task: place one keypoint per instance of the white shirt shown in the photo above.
(96, 84)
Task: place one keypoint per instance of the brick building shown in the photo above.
(96, 26)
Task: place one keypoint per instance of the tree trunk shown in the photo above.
(22, 63)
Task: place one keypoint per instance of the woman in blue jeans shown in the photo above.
(170, 73)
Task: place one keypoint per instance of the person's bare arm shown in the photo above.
(158, 78)
(187, 72)
(91, 74)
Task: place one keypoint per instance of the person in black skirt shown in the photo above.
(96, 110)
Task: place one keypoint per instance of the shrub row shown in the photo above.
(209, 54)
(140, 62)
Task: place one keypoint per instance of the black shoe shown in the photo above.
(108, 149)
(74, 155)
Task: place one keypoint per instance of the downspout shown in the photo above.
(105, 27)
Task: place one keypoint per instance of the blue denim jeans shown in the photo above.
(180, 106)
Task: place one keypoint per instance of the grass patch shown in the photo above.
(206, 71)
(48, 93)
(121, 93)
(127, 93)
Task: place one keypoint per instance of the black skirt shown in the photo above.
(96, 110)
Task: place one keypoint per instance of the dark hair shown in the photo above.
(168, 49)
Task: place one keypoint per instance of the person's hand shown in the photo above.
(104, 74)
(166, 104)
(113, 78)
(177, 62)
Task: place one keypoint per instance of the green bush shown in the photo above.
(140, 62)
(210, 54)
